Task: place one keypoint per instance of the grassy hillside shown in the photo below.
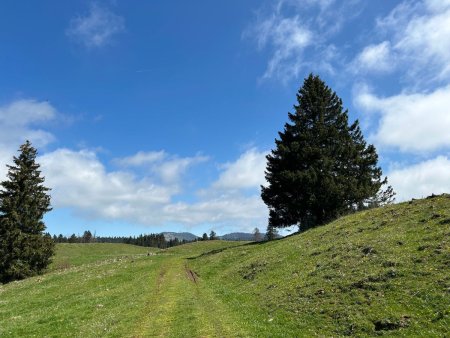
(68, 255)
(378, 272)
(382, 272)
(117, 291)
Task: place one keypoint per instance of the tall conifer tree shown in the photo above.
(25, 249)
(321, 167)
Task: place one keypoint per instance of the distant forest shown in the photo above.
(150, 240)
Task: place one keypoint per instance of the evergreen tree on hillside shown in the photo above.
(257, 237)
(212, 235)
(25, 249)
(271, 233)
(321, 167)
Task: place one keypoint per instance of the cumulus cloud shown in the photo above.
(246, 172)
(411, 122)
(21, 120)
(168, 167)
(237, 211)
(148, 188)
(82, 183)
(97, 28)
(18, 121)
(422, 179)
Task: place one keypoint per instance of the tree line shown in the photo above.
(147, 240)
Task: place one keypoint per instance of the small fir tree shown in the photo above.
(257, 237)
(212, 235)
(25, 249)
(321, 167)
(87, 236)
(271, 233)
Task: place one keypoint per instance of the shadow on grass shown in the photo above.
(216, 251)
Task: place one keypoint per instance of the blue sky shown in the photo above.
(157, 116)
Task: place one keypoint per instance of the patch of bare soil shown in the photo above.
(191, 275)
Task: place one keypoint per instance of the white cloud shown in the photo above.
(288, 37)
(237, 211)
(79, 181)
(375, 58)
(246, 172)
(411, 122)
(142, 158)
(25, 112)
(20, 121)
(415, 42)
(18, 118)
(422, 179)
(168, 167)
(171, 170)
(297, 32)
(97, 28)
(149, 187)
(437, 5)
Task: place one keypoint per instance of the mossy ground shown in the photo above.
(382, 272)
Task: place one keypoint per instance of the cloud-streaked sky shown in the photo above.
(157, 116)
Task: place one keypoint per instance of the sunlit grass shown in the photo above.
(383, 271)
(378, 272)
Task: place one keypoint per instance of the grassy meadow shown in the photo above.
(381, 272)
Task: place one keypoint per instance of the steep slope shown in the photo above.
(378, 272)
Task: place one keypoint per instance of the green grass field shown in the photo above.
(69, 255)
(383, 272)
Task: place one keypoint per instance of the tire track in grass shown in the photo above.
(154, 320)
(182, 306)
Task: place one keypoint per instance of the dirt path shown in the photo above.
(182, 305)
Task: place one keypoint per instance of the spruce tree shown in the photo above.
(271, 233)
(25, 250)
(212, 235)
(321, 167)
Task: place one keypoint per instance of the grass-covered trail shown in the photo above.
(93, 292)
(180, 305)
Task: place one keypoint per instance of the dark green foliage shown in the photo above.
(271, 233)
(147, 240)
(24, 248)
(321, 167)
(205, 236)
(87, 237)
(212, 235)
(383, 197)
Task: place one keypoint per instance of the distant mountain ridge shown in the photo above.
(234, 236)
(180, 235)
(238, 236)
